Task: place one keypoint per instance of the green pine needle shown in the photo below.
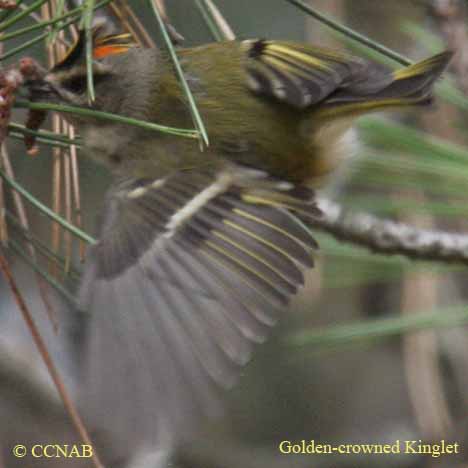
(107, 116)
(13, 245)
(87, 25)
(208, 19)
(44, 209)
(23, 14)
(350, 33)
(193, 106)
(381, 328)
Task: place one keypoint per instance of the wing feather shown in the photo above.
(297, 75)
(188, 274)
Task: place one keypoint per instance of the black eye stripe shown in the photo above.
(73, 55)
(78, 83)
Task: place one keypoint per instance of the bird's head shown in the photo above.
(67, 81)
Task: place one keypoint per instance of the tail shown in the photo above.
(408, 86)
(415, 82)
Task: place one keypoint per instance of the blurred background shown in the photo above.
(350, 362)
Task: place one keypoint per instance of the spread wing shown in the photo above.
(188, 274)
(302, 75)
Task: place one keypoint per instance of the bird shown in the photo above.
(199, 253)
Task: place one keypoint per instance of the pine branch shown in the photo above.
(390, 237)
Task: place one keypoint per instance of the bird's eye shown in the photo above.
(76, 84)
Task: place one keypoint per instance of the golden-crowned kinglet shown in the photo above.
(199, 252)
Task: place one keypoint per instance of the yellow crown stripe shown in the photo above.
(105, 39)
(69, 51)
(115, 44)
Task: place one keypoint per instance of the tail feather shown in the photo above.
(410, 86)
(416, 81)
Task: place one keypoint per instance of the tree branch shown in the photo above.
(390, 237)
